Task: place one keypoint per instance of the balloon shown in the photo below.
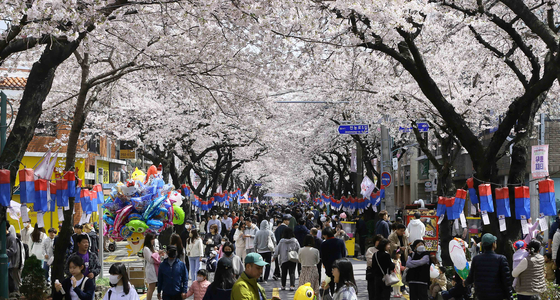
(175, 197)
(141, 203)
(178, 215)
(155, 225)
(111, 206)
(304, 292)
(135, 243)
(137, 226)
(134, 216)
(138, 175)
(457, 254)
(161, 214)
(153, 208)
(434, 271)
(108, 220)
(125, 232)
(152, 173)
(121, 216)
(343, 215)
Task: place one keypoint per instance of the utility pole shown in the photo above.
(4, 292)
(359, 169)
(386, 162)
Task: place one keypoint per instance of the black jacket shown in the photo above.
(385, 262)
(85, 294)
(421, 273)
(331, 250)
(382, 227)
(279, 231)
(491, 276)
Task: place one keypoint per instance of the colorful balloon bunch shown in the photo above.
(137, 207)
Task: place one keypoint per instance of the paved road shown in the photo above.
(120, 255)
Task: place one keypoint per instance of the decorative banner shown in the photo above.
(5, 192)
(71, 183)
(62, 192)
(40, 203)
(486, 203)
(539, 161)
(502, 221)
(522, 203)
(459, 205)
(449, 207)
(547, 197)
(98, 189)
(367, 186)
(14, 210)
(441, 208)
(472, 191)
(502, 202)
(78, 192)
(52, 201)
(26, 186)
(40, 221)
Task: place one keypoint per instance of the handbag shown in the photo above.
(293, 256)
(270, 245)
(388, 278)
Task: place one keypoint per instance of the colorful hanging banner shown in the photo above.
(486, 201)
(539, 161)
(459, 205)
(71, 183)
(472, 191)
(502, 202)
(449, 208)
(26, 186)
(547, 197)
(5, 192)
(62, 192)
(40, 204)
(441, 208)
(522, 203)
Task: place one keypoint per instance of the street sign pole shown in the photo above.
(4, 291)
(386, 160)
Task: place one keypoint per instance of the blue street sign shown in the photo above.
(423, 127)
(353, 129)
(386, 179)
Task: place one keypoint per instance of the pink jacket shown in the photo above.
(198, 289)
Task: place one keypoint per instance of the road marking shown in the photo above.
(110, 258)
(113, 259)
(143, 297)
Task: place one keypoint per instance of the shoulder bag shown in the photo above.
(389, 278)
(293, 256)
(270, 245)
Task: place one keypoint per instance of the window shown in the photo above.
(46, 129)
(93, 144)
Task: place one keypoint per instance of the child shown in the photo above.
(397, 261)
(199, 286)
(211, 264)
(519, 254)
(549, 267)
(457, 292)
(121, 288)
(438, 284)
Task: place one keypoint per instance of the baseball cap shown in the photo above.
(255, 258)
(488, 239)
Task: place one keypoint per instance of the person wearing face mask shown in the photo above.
(221, 247)
(418, 265)
(195, 252)
(121, 288)
(238, 267)
(173, 279)
(199, 286)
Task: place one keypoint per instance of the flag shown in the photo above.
(441, 206)
(26, 186)
(85, 200)
(459, 205)
(5, 192)
(41, 168)
(52, 192)
(40, 203)
(449, 208)
(486, 201)
(367, 187)
(522, 203)
(78, 187)
(99, 190)
(472, 191)
(547, 197)
(186, 190)
(502, 202)
(71, 183)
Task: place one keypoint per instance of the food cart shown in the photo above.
(429, 217)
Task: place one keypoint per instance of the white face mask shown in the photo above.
(421, 249)
(223, 242)
(114, 279)
(199, 278)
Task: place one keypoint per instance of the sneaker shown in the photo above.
(264, 282)
(274, 277)
(292, 288)
(283, 288)
(405, 292)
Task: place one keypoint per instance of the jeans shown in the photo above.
(418, 291)
(289, 267)
(194, 263)
(46, 267)
(267, 256)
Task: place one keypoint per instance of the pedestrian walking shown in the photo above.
(176, 241)
(247, 287)
(318, 242)
(490, 272)
(77, 285)
(195, 252)
(265, 243)
(530, 273)
(309, 257)
(199, 286)
(214, 221)
(48, 248)
(418, 264)
(121, 289)
(228, 222)
(26, 233)
(151, 259)
(381, 265)
(91, 263)
(343, 276)
(224, 279)
(212, 239)
(416, 229)
(278, 235)
(238, 267)
(382, 226)
(331, 250)
(13, 250)
(38, 236)
(240, 249)
(173, 279)
(287, 244)
(249, 234)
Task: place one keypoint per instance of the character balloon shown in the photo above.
(457, 253)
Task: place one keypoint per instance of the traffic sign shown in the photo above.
(423, 127)
(386, 179)
(353, 129)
